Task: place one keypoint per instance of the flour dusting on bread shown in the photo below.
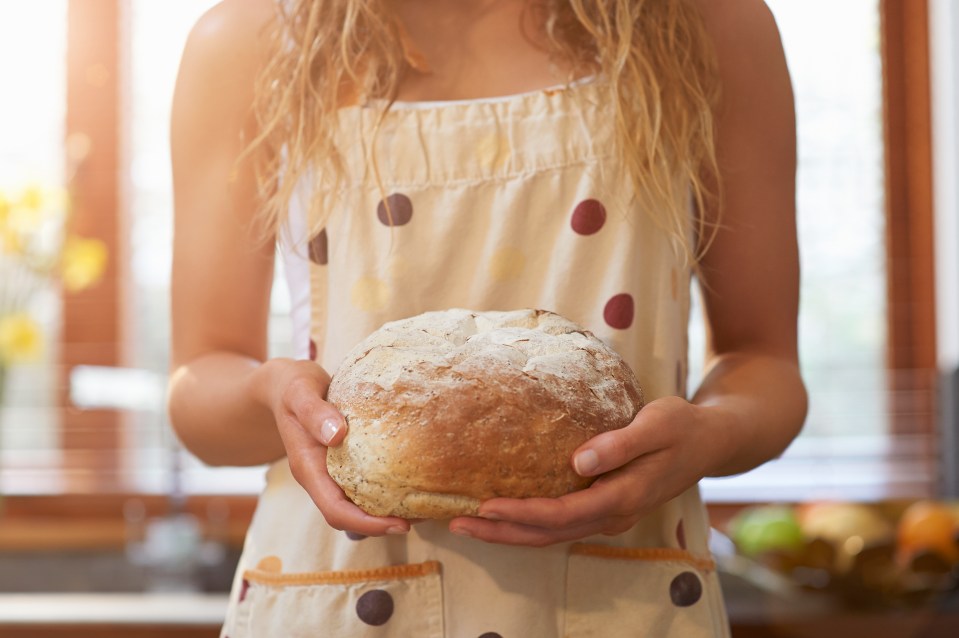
(449, 408)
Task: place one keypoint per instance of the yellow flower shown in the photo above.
(84, 261)
(43, 199)
(36, 205)
(20, 339)
(33, 197)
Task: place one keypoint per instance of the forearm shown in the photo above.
(219, 408)
(753, 406)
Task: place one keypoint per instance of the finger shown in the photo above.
(614, 449)
(304, 403)
(618, 493)
(342, 513)
(509, 533)
(307, 458)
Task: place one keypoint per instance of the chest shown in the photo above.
(474, 50)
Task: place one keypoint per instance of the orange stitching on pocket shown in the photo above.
(346, 577)
(643, 553)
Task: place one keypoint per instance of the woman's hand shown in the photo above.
(657, 456)
(308, 425)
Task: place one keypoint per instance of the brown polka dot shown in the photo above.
(395, 210)
(313, 353)
(685, 589)
(491, 634)
(319, 251)
(681, 534)
(354, 536)
(375, 607)
(619, 311)
(588, 217)
(245, 585)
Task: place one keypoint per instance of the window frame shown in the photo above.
(91, 319)
(910, 273)
(911, 347)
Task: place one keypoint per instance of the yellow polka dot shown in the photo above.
(270, 564)
(493, 150)
(370, 294)
(506, 263)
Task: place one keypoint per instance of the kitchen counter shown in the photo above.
(200, 616)
(111, 615)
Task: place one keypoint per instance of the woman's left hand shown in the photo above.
(660, 454)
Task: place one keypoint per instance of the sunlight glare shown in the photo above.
(32, 91)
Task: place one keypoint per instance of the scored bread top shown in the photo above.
(449, 408)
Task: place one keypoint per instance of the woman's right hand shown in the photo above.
(308, 425)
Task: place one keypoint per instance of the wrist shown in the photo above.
(723, 429)
(262, 383)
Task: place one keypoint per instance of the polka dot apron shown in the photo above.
(504, 203)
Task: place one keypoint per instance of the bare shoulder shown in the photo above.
(747, 43)
(738, 24)
(231, 39)
(215, 86)
(756, 88)
(235, 22)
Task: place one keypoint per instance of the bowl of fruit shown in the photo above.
(867, 556)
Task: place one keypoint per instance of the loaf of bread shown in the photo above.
(447, 409)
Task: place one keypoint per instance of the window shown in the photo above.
(869, 429)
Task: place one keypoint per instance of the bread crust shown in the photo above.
(450, 408)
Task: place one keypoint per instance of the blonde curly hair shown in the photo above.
(655, 55)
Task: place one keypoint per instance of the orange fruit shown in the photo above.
(927, 526)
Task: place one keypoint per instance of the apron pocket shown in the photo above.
(616, 592)
(401, 600)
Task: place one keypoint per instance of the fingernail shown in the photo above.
(462, 532)
(586, 462)
(328, 430)
(396, 529)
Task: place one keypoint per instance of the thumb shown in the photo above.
(303, 399)
(614, 449)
